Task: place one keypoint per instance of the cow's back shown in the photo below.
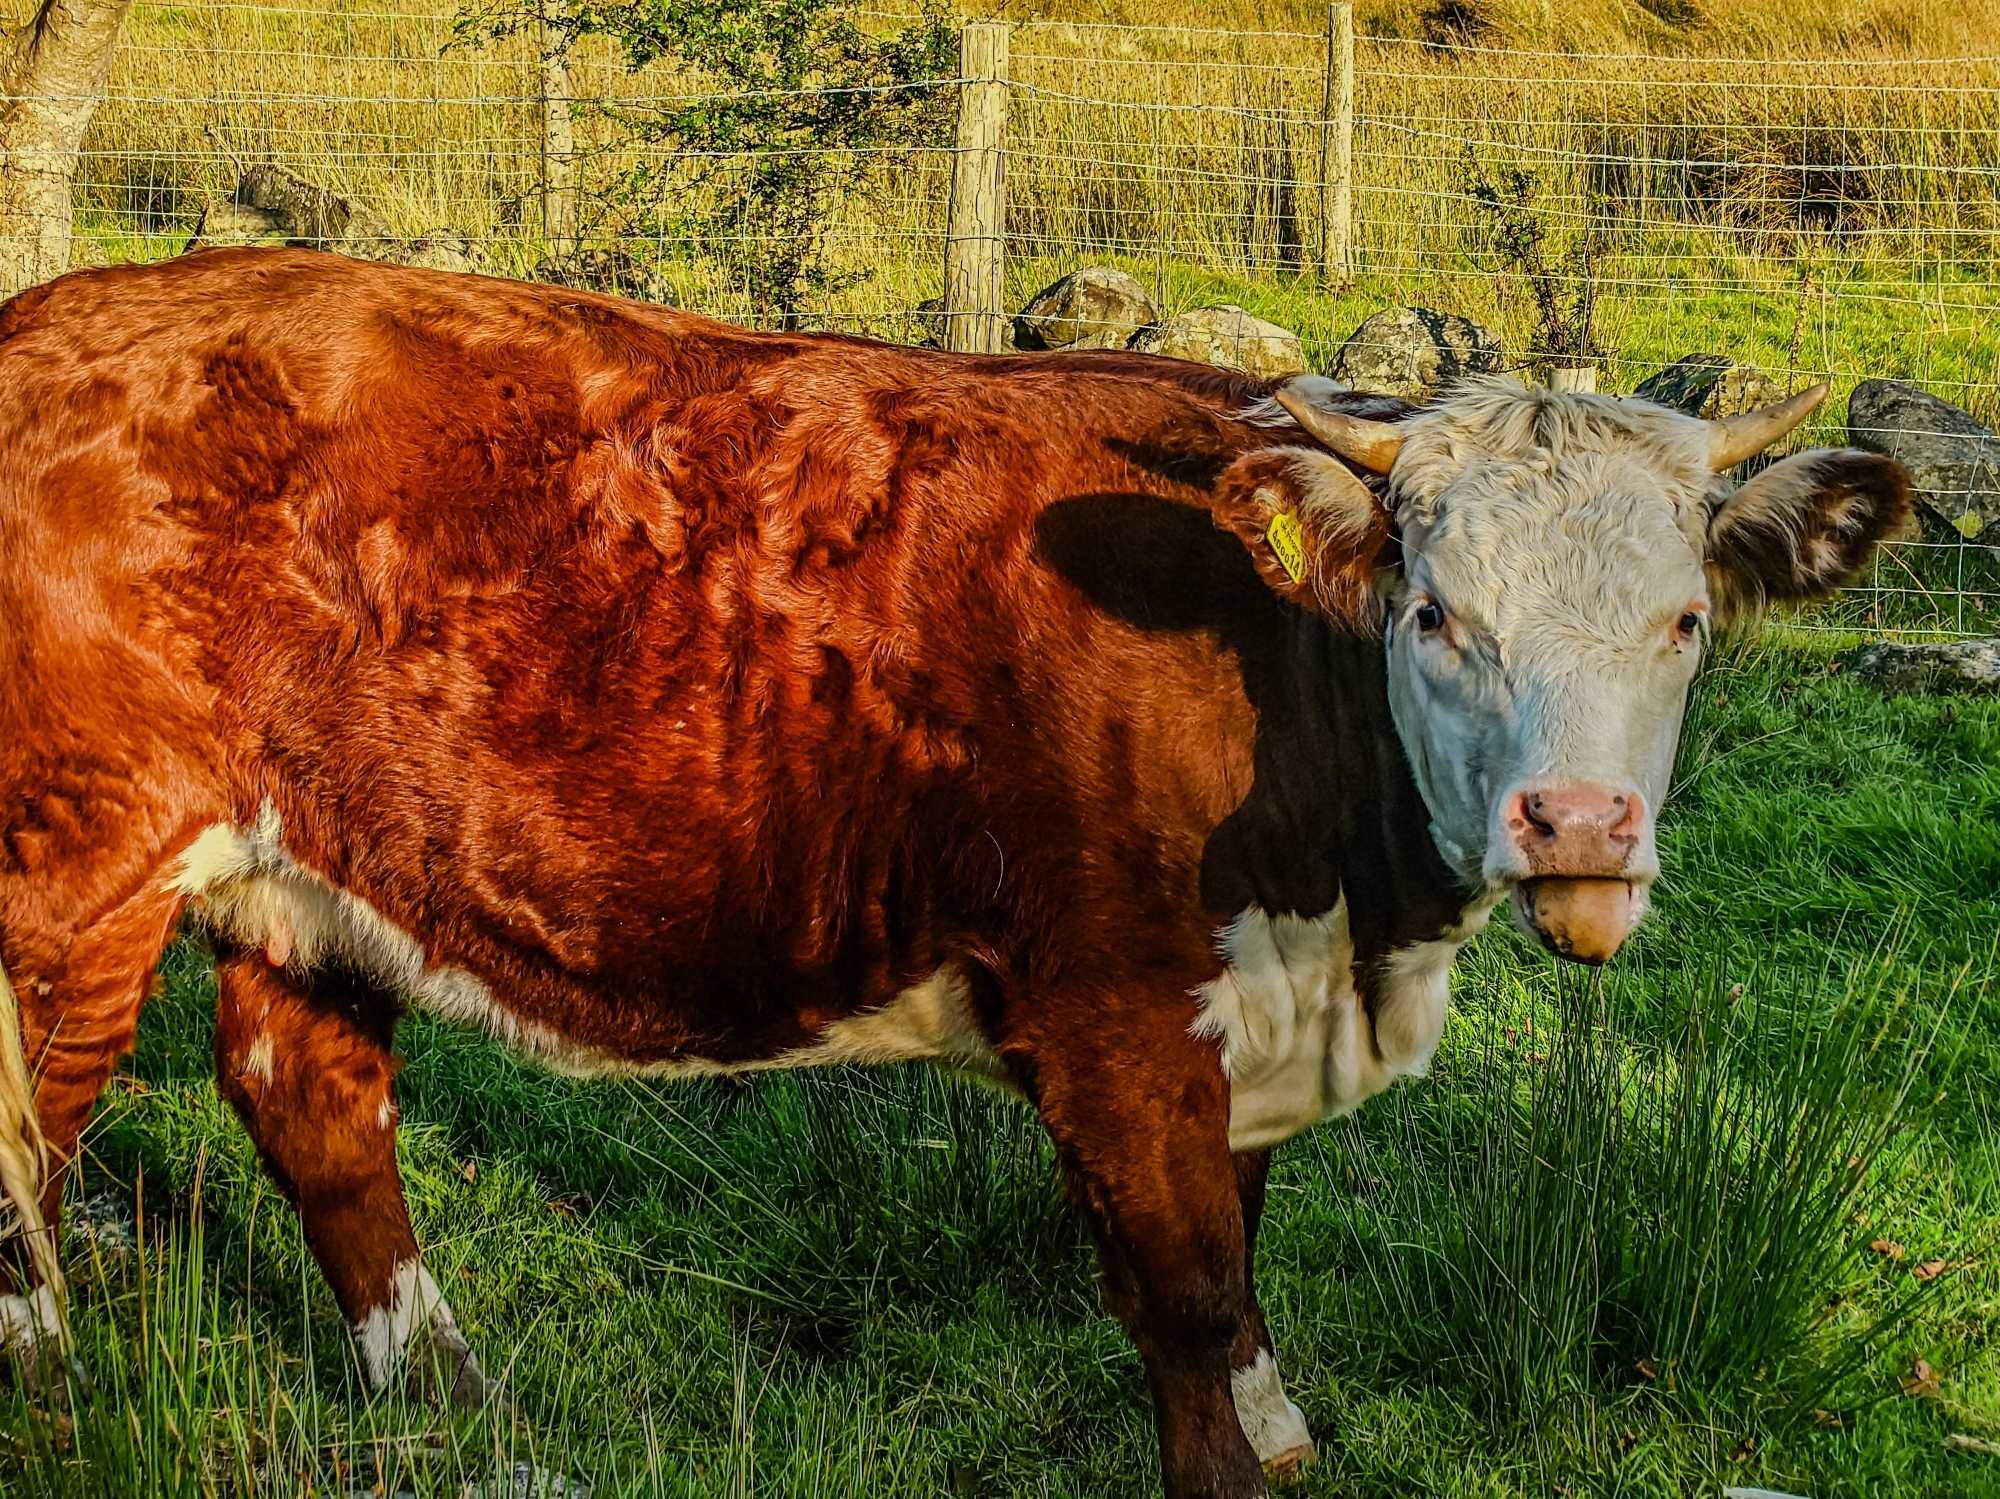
(597, 643)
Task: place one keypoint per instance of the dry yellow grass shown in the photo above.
(1886, 29)
(1151, 140)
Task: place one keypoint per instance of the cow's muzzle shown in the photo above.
(1572, 849)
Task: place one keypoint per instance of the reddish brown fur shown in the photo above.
(692, 688)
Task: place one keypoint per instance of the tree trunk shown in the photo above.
(50, 81)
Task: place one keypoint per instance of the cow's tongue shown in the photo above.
(1584, 919)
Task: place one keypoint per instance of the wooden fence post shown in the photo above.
(1575, 377)
(975, 244)
(558, 138)
(1336, 148)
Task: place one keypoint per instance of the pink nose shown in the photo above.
(1579, 830)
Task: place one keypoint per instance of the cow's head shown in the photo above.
(1563, 561)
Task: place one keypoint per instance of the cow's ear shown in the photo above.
(1802, 528)
(1316, 532)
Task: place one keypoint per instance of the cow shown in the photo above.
(676, 700)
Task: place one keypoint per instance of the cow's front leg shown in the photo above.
(1275, 1426)
(307, 1064)
(1139, 1111)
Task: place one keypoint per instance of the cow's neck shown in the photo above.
(1345, 916)
(1333, 811)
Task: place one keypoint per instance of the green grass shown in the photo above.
(867, 1284)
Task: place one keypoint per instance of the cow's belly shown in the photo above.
(1296, 1042)
(243, 884)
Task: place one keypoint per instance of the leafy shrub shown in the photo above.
(789, 109)
(1555, 251)
(1446, 25)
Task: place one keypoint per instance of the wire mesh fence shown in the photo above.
(1828, 218)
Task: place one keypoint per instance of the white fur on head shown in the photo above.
(1570, 541)
(1562, 535)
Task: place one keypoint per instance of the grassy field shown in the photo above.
(1619, 1243)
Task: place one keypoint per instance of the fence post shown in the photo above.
(558, 139)
(975, 244)
(1336, 148)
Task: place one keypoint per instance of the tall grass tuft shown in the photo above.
(1587, 1211)
(165, 1411)
(186, 1394)
(1767, 1133)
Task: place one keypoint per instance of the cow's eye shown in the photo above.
(1689, 625)
(1430, 616)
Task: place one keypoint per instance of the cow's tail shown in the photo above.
(23, 1152)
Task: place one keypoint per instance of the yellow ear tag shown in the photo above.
(1287, 538)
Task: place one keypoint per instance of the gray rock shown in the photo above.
(275, 205)
(528, 1482)
(1226, 336)
(1710, 386)
(438, 249)
(1935, 666)
(224, 221)
(615, 270)
(311, 214)
(1954, 462)
(1094, 308)
(1415, 353)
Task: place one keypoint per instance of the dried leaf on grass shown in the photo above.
(1921, 1383)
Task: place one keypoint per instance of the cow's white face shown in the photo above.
(1563, 559)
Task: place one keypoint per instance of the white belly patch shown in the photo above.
(242, 883)
(1296, 1042)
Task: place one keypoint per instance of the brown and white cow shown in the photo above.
(671, 699)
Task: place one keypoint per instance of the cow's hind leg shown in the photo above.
(1275, 1426)
(306, 1061)
(1139, 1111)
(78, 990)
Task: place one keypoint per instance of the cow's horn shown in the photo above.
(1736, 438)
(1373, 445)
